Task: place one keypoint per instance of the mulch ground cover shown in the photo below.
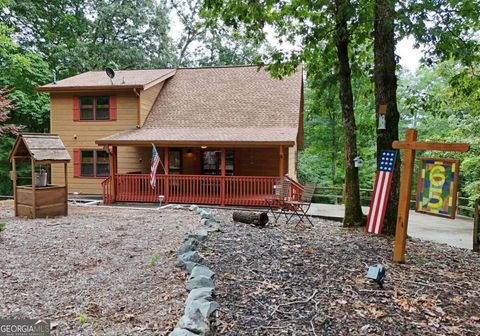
(287, 280)
(99, 271)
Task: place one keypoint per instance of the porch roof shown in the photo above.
(188, 136)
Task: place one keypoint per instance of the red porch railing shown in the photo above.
(201, 189)
(137, 188)
(108, 192)
(296, 189)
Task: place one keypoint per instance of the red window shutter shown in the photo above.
(76, 162)
(76, 109)
(113, 108)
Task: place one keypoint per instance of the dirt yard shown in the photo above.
(299, 281)
(99, 271)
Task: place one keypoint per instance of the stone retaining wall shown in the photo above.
(199, 306)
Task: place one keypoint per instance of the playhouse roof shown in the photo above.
(40, 147)
(240, 104)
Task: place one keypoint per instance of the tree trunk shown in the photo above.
(353, 210)
(386, 94)
(254, 218)
(333, 123)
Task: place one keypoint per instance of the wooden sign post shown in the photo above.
(410, 145)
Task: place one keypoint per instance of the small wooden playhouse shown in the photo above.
(39, 199)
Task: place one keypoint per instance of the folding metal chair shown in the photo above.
(276, 202)
(300, 208)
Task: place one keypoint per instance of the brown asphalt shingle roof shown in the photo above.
(229, 104)
(140, 79)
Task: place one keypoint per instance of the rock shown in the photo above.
(209, 221)
(177, 206)
(198, 210)
(194, 322)
(200, 235)
(193, 207)
(200, 282)
(182, 332)
(182, 259)
(205, 215)
(214, 228)
(189, 266)
(200, 294)
(206, 308)
(190, 244)
(201, 271)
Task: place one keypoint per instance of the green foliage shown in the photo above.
(447, 110)
(155, 260)
(201, 44)
(82, 318)
(2, 226)
(446, 29)
(75, 36)
(22, 71)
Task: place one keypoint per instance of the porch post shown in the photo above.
(222, 178)
(14, 179)
(281, 171)
(114, 171)
(166, 184)
(65, 176)
(34, 191)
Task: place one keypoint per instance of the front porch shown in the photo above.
(201, 175)
(199, 189)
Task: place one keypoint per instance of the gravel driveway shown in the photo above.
(99, 271)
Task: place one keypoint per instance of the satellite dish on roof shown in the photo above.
(110, 74)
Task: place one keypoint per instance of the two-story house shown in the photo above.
(224, 134)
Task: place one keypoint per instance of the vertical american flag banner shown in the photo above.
(381, 189)
(153, 167)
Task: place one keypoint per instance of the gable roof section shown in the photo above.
(98, 80)
(221, 105)
(41, 147)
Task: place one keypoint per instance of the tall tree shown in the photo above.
(386, 95)
(446, 28)
(353, 210)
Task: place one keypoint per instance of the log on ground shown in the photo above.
(253, 218)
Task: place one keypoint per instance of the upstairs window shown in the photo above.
(93, 108)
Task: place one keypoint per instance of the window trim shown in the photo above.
(95, 150)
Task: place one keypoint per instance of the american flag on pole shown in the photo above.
(381, 189)
(153, 168)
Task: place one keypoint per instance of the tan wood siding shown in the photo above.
(82, 134)
(147, 99)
